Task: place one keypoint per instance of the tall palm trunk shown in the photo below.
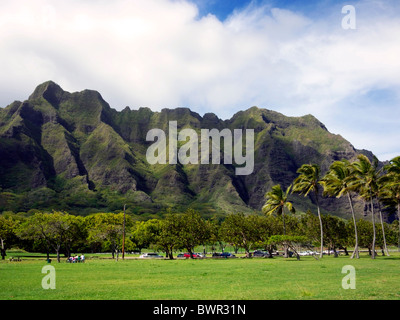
(285, 247)
(383, 230)
(283, 220)
(373, 228)
(356, 251)
(320, 225)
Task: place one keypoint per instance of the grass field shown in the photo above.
(204, 279)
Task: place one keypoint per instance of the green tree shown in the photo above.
(307, 182)
(366, 185)
(193, 230)
(145, 233)
(277, 201)
(7, 234)
(214, 225)
(33, 229)
(75, 233)
(309, 227)
(240, 230)
(107, 229)
(335, 235)
(288, 241)
(168, 237)
(365, 234)
(337, 183)
(266, 227)
(56, 229)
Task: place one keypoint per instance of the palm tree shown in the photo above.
(392, 186)
(394, 167)
(308, 181)
(337, 183)
(380, 196)
(276, 202)
(366, 185)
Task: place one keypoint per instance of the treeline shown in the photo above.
(63, 233)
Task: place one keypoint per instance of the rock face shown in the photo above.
(74, 152)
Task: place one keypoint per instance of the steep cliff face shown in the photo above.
(72, 151)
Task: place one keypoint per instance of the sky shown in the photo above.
(222, 56)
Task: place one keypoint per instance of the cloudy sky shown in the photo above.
(218, 56)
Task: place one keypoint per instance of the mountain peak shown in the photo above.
(48, 90)
(313, 121)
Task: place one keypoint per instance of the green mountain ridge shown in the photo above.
(73, 152)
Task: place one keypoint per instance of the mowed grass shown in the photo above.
(206, 279)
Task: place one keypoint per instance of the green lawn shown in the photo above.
(206, 279)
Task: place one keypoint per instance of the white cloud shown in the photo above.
(158, 53)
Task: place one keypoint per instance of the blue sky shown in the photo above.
(219, 56)
(222, 9)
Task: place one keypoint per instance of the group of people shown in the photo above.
(77, 258)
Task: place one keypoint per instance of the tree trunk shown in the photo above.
(58, 253)
(383, 231)
(48, 251)
(356, 251)
(295, 251)
(169, 252)
(285, 246)
(67, 252)
(373, 228)
(283, 220)
(3, 251)
(320, 225)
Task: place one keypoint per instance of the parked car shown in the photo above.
(150, 255)
(195, 255)
(307, 253)
(228, 255)
(331, 252)
(223, 255)
(259, 253)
